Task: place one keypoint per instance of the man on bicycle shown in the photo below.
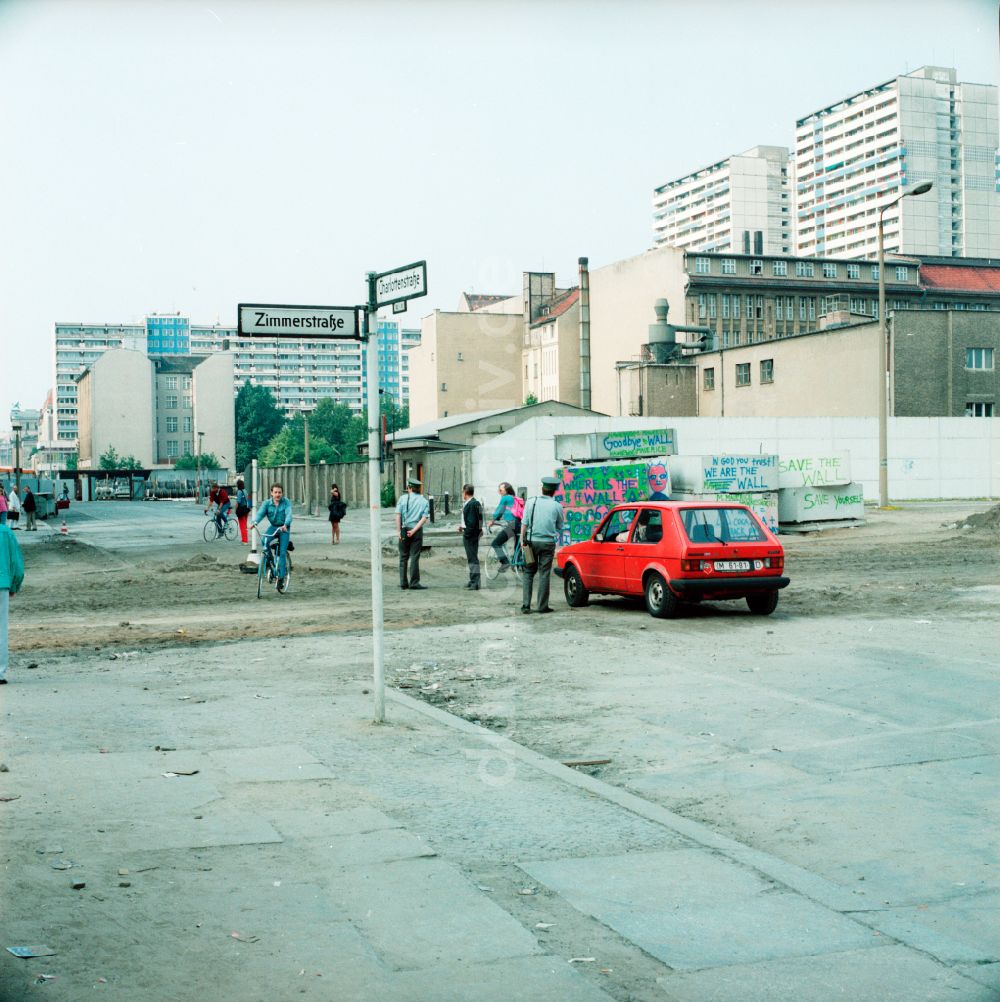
(219, 496)
(278, 511)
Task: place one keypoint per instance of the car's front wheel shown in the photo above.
(763, 603)
(576, 594)
(661, 602)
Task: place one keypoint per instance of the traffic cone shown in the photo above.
(64, 528)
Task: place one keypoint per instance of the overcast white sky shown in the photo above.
(164, 155)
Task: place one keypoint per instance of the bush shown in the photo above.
(388, 495)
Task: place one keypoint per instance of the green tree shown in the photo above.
(258, 420)
(530, 399)
(288, 446)
(110, 460)
(208, 461)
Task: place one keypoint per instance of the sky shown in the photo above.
(167, 155)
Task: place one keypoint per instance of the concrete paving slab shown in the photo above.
(692, 909)
(423, 913)
(983, 974)
(649, 881)
(889, 750)
(963, 930)
(278, 763)
(362, 850)
(742, 931)
(893, 972)
(524, 979)
(218, 828)
(308, 823)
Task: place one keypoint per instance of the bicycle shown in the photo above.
(515, 560)
(267, 569)
(212, 532)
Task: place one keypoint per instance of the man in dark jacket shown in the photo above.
(471, 528)
(30, 506)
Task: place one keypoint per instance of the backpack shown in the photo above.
(517, 508)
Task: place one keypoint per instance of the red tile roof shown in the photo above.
(960, 278)
(558, 307)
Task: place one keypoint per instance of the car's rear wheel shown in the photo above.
(661, 602)
(763, 603)
(576, 594)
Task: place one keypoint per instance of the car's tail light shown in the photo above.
(696, 566)
(775, 563)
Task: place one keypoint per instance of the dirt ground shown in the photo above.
(919, 559)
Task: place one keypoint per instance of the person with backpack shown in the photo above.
(507, 514)
(471, 528)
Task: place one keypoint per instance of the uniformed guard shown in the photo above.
(412, 512)
(540, 530)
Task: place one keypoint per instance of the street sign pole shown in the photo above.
(370, 333)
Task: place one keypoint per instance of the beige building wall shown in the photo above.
(551, 359)
(832, 374)
(214, 407)
(466, 362)
(621, 309)
(118, 412)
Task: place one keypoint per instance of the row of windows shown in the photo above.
(803, 269)
(979, 358)
(742, 374)
(170, 382)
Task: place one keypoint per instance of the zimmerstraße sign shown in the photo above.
(273, 320)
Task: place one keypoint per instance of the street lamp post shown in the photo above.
(16, 429)
(201, 435)
(308, 490)
(883, 352)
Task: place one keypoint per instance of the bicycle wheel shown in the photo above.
(260, 575)
(211, 531)
(517, 563)
(231, 528)
(492, 564)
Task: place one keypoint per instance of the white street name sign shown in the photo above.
(271, 320)
(407, 282)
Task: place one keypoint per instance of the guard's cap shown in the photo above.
(551, 481)
(413, 482)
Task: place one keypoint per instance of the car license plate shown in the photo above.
(732, 565)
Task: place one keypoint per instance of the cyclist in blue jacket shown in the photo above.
(278, 512)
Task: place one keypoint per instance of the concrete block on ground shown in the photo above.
(825, 469)
(725, 474)
(816, 504)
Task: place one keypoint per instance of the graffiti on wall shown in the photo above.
(589, 492)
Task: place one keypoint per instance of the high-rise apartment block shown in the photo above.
(299, 373)
(855, 156)
(739, 205)
(851, 160)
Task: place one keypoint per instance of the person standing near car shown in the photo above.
(541, 529)
(242, 509)
(471, 528)
(412, 512)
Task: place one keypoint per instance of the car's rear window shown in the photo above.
(721, 525)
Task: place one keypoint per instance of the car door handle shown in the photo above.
(620, 549)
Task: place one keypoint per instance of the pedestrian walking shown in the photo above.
(242, 509)
(30, 506)
(412, 512)
(11, 576)
(543, 522)
(3, 505)
(471, 528)
(13, 508)
(338, 509)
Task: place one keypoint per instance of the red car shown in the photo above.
(676, 551)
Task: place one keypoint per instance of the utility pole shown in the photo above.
(16, 428)
(308, 490)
